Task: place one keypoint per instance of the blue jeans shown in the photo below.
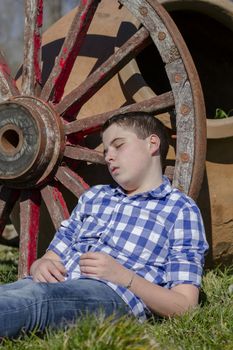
(27, 305)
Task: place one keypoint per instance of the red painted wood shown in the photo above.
(37, 42)
(29, 230)
(71, 180)
(8, 198)
(76, 98)
(7, 83)
(55, 204)
(54, 87)
(154, 105)
(85, 154)
(31, 76)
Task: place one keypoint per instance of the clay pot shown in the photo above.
(220, 128)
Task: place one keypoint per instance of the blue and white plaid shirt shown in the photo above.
(158, 234)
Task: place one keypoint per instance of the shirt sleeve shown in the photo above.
(68, 231)
(187, 247)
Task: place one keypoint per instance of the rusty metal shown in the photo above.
(42, 139)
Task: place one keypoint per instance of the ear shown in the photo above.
(154, 142)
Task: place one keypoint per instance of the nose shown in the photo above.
(109, 156)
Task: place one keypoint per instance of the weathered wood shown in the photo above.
(7, 83)
(155, 105)
(185, 125)
(8, 198)
(29, 230)
(189, 102)
(104, 73)
(72, 181)
(55, 204)
(31, 142)
(54, 87)
(150, 14)
(85, 154)
(31, 76)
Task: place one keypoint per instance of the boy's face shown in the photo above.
(128, 158)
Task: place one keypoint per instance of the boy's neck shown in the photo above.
(157, 181)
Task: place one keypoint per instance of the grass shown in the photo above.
(209, 326)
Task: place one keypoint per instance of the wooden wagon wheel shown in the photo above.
(41, 135)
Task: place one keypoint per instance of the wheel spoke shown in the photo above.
(29, 230)
(86, 154)
(104, 73)
(55, 204)
(154, 105)
(71, 181)
(8, 197)
(169, 172)
(56, 82)
(31, 76)
(7, 84)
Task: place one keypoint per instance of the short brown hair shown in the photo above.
(144, 125)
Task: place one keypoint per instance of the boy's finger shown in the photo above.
(54, 274)
(90, 255)
(58, 276)
(87, 262)
(89, 270)
(60, 267)
(39, 279)
(44, 278)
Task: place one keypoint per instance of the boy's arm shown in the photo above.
(49, 268)
(162, 301)
(187, 245)
(66, 234)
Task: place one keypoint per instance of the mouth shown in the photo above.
(113, 170)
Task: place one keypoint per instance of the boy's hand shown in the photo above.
(103, 266)
(47, 270)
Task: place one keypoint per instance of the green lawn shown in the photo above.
(210, 326)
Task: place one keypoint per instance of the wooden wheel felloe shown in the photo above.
(42, 137)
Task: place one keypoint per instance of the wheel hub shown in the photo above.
(31, 142)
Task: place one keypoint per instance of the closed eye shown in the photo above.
(118, 145)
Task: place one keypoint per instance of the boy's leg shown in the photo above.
(14, 285)
(41, 305)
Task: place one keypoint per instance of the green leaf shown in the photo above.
(220, 114)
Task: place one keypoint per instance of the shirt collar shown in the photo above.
(159, 192)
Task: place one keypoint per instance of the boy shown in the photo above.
(133, 248)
